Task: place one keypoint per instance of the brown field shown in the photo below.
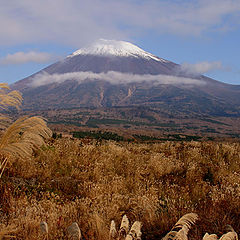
(92, 182)
(132, 121)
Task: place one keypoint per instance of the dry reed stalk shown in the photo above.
(229, 228)
(182, 227)
(135, 232)
(22, 137)
(74, 231)
(124, 233)
(9, 99)
(210, 237)
(3, 165)
(113, 231)
(124, 227)
(44, 229)
(230, 235)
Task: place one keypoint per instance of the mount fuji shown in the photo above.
(111, 73)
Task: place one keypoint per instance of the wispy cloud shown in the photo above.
(112, 77)
(26, 57)
(202, 67)
(77, 22)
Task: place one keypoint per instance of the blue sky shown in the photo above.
(200, 34)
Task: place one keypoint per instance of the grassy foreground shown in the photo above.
(91, 183)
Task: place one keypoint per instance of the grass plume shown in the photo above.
(9, 98)
(22, 136)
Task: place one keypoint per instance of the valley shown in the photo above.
(127, 122)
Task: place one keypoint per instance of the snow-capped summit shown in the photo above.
(105, 47)
(116, 73)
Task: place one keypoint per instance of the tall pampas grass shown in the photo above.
(135, 231)
(182, 227)
(124, 233)
(74, 231)
(9, 98)
(44, 229)
(230, 235)
(208, 236)
(21, 138)
(24, 135)
(113, 230)
(124, 228)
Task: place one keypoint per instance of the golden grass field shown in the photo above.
(92, 183)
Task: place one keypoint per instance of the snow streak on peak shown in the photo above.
(116, 48)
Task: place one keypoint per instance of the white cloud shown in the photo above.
(26, 57)
(112, 77)
(201, 67)
(77, 22)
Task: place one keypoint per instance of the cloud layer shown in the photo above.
(201, 67)
(112, 77)
(77, 22)
(26, 57)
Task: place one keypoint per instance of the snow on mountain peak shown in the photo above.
(116, 48)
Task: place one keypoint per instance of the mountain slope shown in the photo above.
(116, 73)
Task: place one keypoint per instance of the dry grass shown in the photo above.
(93, 183)
(21, 138)
(9, 98)
(24, 135)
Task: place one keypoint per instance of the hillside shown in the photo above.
(119, 74)
(151, 122)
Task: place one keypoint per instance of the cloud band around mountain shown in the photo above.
(202, 67)
(113, 78)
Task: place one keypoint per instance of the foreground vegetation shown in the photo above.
(92, 182)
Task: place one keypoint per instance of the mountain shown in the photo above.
(112, 73)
